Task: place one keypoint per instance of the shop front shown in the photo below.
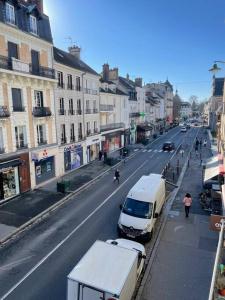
(133, 132)
(112, 141)
(144, 133)
(44, 165)
(93, 147)
(14, 176)
(73, 157)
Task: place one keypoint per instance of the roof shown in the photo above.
(218, 87)
(129, 84)
(72, 61)
(105, 267)
(106, 81)
(117, 92)
(146, 188)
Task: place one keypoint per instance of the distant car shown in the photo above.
(168, 146)
(188, 126)
(196, 124)
(183, 129)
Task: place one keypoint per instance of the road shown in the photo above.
(35, 265)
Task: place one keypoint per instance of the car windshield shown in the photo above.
(139, 209)
(167, 144)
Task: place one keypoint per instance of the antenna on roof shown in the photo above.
(70, 40)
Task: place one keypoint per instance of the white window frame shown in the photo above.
(33, 24)
(38, 98)
(10, 13)
(43, 126)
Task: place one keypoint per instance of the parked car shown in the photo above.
(168, 146)
(183, 129)
(188, 126)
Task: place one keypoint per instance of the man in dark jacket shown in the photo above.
(117, 176)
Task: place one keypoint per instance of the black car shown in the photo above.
(168, 146)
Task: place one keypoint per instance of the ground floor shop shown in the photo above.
(43, 163)
(93, 146)
(73, 157)
(14, 176)
(144, 132)
(112, 141)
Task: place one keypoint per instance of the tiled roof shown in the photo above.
(118, 92)
(127, 83)
(70, 60)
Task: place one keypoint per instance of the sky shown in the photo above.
(152, 39)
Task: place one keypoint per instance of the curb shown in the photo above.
(164, 220)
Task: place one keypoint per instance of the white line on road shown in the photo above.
(135, 150)
(69, 235)
(15, 263)
(150, 150)
(160, 150)
(155, 150)
(144, 150)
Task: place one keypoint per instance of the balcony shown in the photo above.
(95, 111)
(42, 142)
(90, 91)
(88, 111)
(4, 112)
(41, 112)
(18, 109)
(70, 87)
(78, 88)
(63, 140)
(71, 112)
(106, 108)
(62, 112)
(112, 126)
(21, 145)
(23, 67)
(87, 91)
(61, 85)
(79, 112)
(134, 115)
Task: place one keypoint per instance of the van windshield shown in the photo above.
(139, 209)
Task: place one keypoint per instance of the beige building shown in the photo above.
(77, 110)
(27, 78)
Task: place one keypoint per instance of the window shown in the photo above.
(60, 79)
(12, 50)
(69, 82)
(61, 106)
(79, 111)
(80, 135)
(63, 134)
(17, 100)
(21, 137)
(78, 83)
(38, 98)
(71, 110)
(72, 133)
(87, 104)
(41, 135)
(95, 127)
(10, 13)
(88, 128)
(33, 25)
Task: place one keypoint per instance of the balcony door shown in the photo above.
(35, 62)
(12, 51)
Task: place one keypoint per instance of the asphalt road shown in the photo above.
(35, 265)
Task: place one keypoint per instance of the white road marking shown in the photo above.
(160, 150)
(144, 150)
(135, 150)
(155, 150)
(178, 227)
(166, 151)
(172, 151)
(69, 235)
(15, 263)
(150, 150)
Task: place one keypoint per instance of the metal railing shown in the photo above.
(41, 112)
(62, 111)
(95, 110)
(106, 107)
(18, 108)
(88, 111)
(42, 142)
(72, 139)
(88, 132)
(63, 140)
(71, 112)
(4, 112)
(21, 145)
(61, 85)
(70, 86)
(111, 126)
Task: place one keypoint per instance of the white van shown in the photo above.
(142, 206)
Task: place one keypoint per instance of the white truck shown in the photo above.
(142, 207)
(108, 271)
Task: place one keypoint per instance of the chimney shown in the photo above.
(138, 82)
(105, 72)
(39, 4)
(128, 76)
(75, 51)
(113, 74)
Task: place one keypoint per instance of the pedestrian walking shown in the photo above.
(117, 176)
(187, 204)
(100, 155)
(197, 142)
(105, 156)
(205, 143)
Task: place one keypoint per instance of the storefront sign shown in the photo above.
(71, 147)
(91, 142)
(36, 156)
(215, 222)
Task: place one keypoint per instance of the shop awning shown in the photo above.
(10, 163)
(213, 168)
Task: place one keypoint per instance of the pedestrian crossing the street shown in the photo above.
(156, 151)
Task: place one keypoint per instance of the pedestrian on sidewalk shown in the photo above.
(100, 155)
(197, 142)
(187, 204)
(205, 143)
(105, 156)
(117, 176)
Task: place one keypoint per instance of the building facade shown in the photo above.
(185, 110)
(77, 110)
(27, 130)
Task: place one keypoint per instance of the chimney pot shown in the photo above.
(75, 51)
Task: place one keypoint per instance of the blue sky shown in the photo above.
(153, 39)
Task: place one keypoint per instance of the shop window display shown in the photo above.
(9, 183)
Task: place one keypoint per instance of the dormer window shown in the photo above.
(10, 13)
(33, 25)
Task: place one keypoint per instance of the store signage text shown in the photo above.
(216, 222)
(72, 147)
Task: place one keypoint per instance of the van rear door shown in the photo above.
(88, 293)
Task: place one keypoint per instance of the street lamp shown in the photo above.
(215, 67)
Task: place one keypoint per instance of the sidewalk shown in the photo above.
(182, 267)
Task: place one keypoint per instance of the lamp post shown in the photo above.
(215, 67)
